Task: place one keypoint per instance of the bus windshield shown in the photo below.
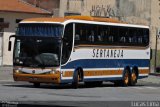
(38, 45)
(37, 52)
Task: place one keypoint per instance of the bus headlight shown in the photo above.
(16, 71)
(51, 72)
(54, 71)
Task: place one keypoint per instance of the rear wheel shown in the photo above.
(126, 78)
(36, 85)
(133, 79)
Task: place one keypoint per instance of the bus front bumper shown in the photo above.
(40, 78)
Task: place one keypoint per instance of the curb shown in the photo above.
(155, 74)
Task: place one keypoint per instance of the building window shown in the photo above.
(71, 14)
(1, 19)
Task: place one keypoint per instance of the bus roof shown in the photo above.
(79, 18)
(61, 20)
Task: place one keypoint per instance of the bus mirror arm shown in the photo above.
(10, 42)
(9, 45)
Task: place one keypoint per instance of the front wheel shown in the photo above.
(75, 80)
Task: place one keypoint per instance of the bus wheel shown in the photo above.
(36, 85)
(75, 80)
(126, 78)
(133, 79)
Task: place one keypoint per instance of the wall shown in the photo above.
(155, 22)
(87, 7)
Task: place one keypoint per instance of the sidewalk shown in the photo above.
(6, 73)
(151, 79)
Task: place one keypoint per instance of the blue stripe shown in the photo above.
(107, 63)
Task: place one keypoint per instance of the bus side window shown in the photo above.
(67, 43)
(106, 35)
(91, 37)
(134, 35)
(100, 37)
(111, 35)
(77, 37)
(140, 35)
(131, 37)
(145, 36)
(80, 34)
(123, 35)
(77, 34)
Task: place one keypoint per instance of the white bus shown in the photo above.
(77, 49)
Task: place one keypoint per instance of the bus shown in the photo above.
(76, 49)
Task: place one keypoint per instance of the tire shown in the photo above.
(75, 80)
(126, 78)
(133, 79)
(36, 85)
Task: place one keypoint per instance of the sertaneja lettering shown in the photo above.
(107, 53)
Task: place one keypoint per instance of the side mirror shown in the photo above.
(9, 45)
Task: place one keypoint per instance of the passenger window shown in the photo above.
(67, 43)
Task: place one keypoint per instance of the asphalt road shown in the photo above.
(49, 94)
(17, 94)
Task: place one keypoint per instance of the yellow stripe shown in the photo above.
(103, 72)
(95, 73)
(144, 71)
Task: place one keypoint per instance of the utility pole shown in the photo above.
(157, 36)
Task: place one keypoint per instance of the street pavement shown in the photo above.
(6, 73)
(107, 95)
